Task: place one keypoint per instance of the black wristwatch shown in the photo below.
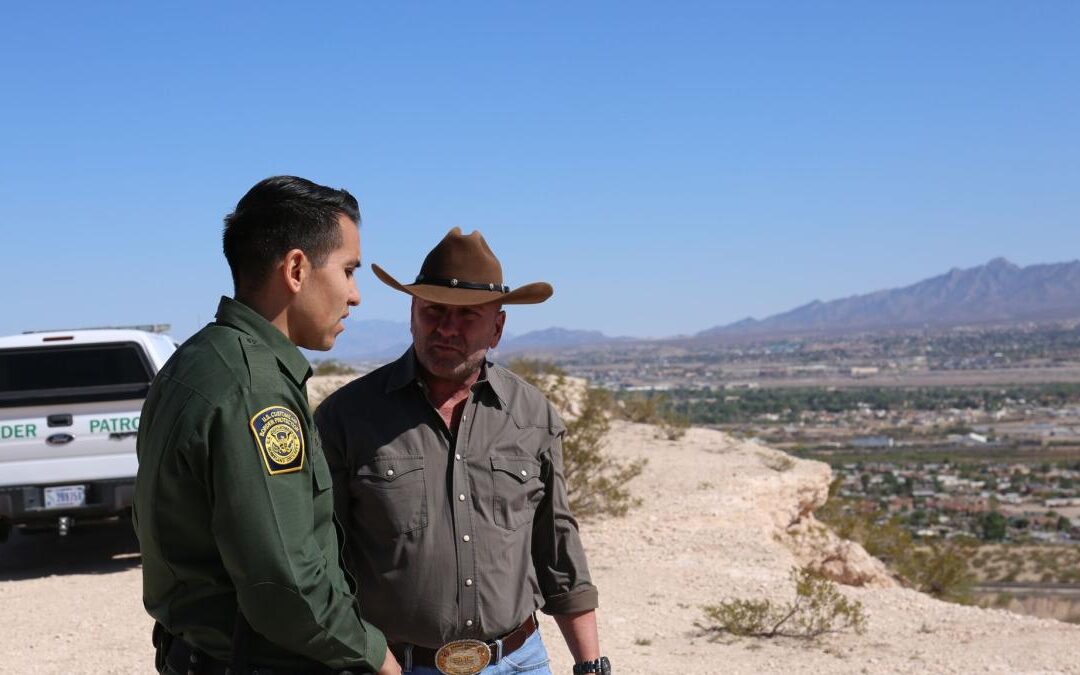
(600, 665)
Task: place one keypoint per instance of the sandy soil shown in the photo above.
(714, 525)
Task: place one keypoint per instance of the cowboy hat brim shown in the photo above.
(529, 294)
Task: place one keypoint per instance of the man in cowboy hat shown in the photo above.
(448, 476)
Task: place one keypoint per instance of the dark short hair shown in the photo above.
(279, 214)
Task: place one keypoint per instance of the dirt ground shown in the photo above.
(712, 527)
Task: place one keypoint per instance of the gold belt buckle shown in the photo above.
(462, 657)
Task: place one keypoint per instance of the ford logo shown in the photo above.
(59, 439)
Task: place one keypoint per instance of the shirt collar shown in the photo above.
(245, 319)
(402, 372)
(405, 371)
(495, 380)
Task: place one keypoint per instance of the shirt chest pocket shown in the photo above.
(389, 494)
(321, 482)
(320, 472)
(517, 488)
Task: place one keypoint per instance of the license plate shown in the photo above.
(65, 495)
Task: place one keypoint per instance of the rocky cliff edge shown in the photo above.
(724, 519)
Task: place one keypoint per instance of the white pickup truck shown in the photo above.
(69, 414)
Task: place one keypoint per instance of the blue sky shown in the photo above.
(668, 167)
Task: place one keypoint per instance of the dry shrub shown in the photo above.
(778, 462)
(331, 367)
(818, 608)
(596, 482)
(655, 409)
(939, 568)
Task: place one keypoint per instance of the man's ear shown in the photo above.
(294, 269)
(500, 320)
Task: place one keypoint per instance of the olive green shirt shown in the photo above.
(233, 504)
(453, 537)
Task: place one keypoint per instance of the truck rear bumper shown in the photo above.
(25, 505)
(69, 469)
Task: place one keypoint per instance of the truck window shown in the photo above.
(72, 373)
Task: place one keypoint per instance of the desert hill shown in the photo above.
(726, 519)
(721, 519)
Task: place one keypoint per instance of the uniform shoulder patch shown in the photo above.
(280, 437)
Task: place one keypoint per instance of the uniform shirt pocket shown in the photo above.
(389, 494)
(321, 472)
(517, 488)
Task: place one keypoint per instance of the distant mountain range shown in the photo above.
(375, 340)
(369, 340)
(554, 338)
(998, 291)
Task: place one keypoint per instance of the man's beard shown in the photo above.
(453, 369)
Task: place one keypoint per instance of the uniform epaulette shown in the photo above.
(261, 363)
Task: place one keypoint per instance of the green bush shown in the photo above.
(596, 482)
(818, 608)
(939, 568)
(993, 526)
(655, 409)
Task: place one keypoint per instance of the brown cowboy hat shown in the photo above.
(462, 270)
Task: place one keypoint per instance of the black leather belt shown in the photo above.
(511, 642)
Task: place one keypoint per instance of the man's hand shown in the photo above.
(390, 665)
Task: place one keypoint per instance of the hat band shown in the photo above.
(457, 283)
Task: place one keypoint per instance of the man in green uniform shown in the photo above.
(448, 475)
(233, 503)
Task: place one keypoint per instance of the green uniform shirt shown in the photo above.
(233, 504)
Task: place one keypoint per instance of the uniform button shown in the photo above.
(468, 622)
(389, 472)
(465, 538)
(524, 472)
(468, 582)
(461, 498)
(457, 457)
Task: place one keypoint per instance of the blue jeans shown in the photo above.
(531, 657)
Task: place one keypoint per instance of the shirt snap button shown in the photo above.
(461, 498)
(389, 472)
(468, 582)
(524, 472)
(465, 538)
